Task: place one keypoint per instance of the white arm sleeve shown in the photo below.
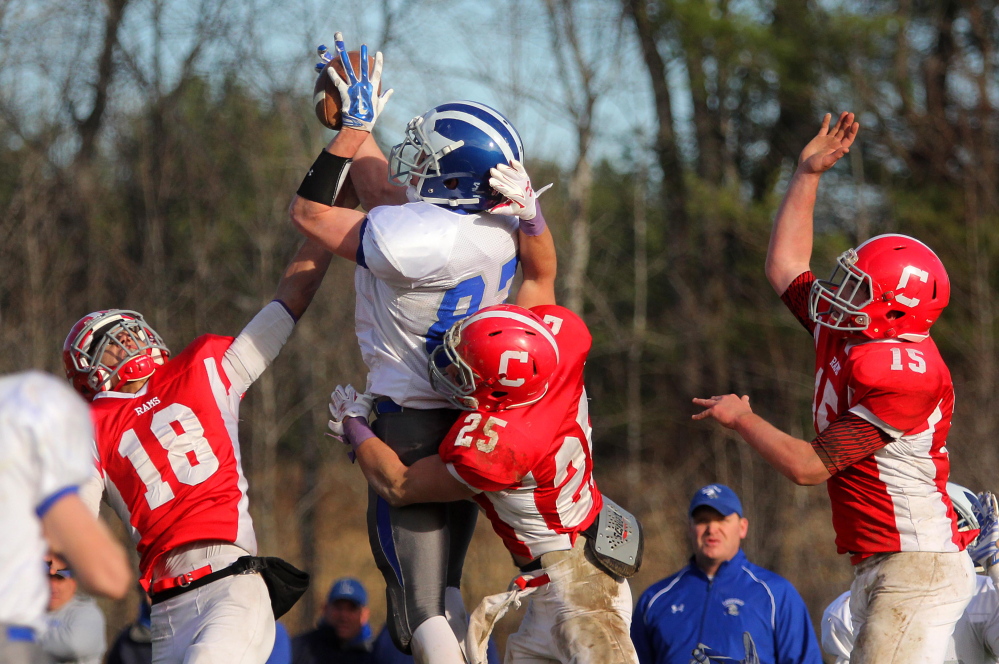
(93, 487)
(404, 244)
(257, 346)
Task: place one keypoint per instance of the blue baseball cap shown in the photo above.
(348, 588)
(717, 496)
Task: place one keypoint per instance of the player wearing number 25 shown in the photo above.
(882, 410)
(438, 242)
(523, 453)
(167, 458)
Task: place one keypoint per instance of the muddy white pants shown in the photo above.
(905, 605)
(229, 621)
(582, 616)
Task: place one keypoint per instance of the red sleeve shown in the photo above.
(571, 334)
(884, 386)
(847, 440)
(487, 451)
(796, 299)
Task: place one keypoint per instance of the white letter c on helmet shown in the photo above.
(504, 364)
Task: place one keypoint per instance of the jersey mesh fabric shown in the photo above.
(847, 440)
(425, 268)
(45, 432)
(170, 457)
(532, 467)
(894, 499)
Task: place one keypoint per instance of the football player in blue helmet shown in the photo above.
(448, 152)
(430, 252)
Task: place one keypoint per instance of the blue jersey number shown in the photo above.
(464, 300)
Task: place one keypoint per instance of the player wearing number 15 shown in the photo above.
(882, 411)
(167, 457)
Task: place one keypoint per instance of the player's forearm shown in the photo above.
(540, 265)
(97, 559)
(792, 457)
(382, 469)
(790, 247)
(370, 172)
(315, 209)
(302, 277)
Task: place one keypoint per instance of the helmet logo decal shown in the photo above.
(504, 366)
(910, 271)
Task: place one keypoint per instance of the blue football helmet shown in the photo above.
(455, 143)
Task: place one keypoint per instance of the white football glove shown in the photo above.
(360, 103)
(513, 183)
(985, 550)
(346, 402)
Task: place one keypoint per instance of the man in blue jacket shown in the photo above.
(720, 595)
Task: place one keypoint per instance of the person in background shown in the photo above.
(343, 635)
(74, 624)
(720, 596)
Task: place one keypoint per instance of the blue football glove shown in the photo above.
(984, 550)
(360, 105)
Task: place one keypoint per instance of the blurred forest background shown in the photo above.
(149, 149)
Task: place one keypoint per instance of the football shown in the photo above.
(325, 96)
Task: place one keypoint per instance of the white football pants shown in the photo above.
(228, 621)
(905, 605)
(582, 616)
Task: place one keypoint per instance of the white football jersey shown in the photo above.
(420, 268)
(975, 639)
(45, 434)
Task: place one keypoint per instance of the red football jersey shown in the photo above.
(896, 498)
(532, 467)
(169, 455)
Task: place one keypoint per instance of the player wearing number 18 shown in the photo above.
(166, 455)
(882, 410)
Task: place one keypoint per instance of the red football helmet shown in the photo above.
(890, 286)
(82, 354)
(500, 358)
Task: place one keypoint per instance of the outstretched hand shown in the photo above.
(726, 409)
(829, 145)
(361, 104)
(513, 183)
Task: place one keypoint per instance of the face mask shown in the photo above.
(411, 194)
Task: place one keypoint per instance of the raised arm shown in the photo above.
(302, 277)
(537, 248)
(369, 173)
(539, 263)
(313, 210)
(790, 247)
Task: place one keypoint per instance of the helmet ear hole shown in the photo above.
(894, 314)
(451, 183)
